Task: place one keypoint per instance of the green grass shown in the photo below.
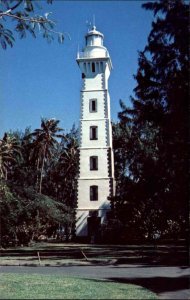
(34, 286)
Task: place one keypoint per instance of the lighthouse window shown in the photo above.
(93, 163)
(101, 66)
(93, 67)
(93, 105)
(93, 132)
(93, 193)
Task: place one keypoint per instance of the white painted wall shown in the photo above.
(94, 86)
(82, 216)
(102, 133)
(101, 97)
(84, 193)
(85, 171)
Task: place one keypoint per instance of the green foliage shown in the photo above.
(152, 137)
(42, 146)
(38, 172)
(9, 154)
(26, 214)
(38, 178)
(22, 12)
(9, 207)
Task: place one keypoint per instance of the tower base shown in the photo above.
(88, 223)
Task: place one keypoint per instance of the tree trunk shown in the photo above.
(37, 179)
(42, 168)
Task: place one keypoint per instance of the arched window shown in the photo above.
(93, 67)
(93, 163)
(93, 193)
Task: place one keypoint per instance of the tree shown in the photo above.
(61, 178)
(135, 160)
(9, 207)
(162, 97)
(26, 214)
(155, 186)
(9, 152)
(44, 141)
(22, 12)
(38, 189)
(68, 162)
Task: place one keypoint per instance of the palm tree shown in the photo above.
(9, 152)
(69, 154)
(64, 172)
(43, 145)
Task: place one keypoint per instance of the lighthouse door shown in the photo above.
(94, 223)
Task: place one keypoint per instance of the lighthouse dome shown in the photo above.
(94, 37)
(94, 44)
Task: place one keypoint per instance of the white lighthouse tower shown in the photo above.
(96, 165)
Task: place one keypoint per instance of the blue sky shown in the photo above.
(38, 79)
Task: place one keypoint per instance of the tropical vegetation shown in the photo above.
(38, 169)
(26, 19)
(151, 137)
(38, 180)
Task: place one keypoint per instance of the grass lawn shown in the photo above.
(34, 286)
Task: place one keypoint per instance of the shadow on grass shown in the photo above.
(157, 284)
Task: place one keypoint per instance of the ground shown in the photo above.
(162, 270)
(51, 286)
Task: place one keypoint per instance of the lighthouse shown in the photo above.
(96, 162)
